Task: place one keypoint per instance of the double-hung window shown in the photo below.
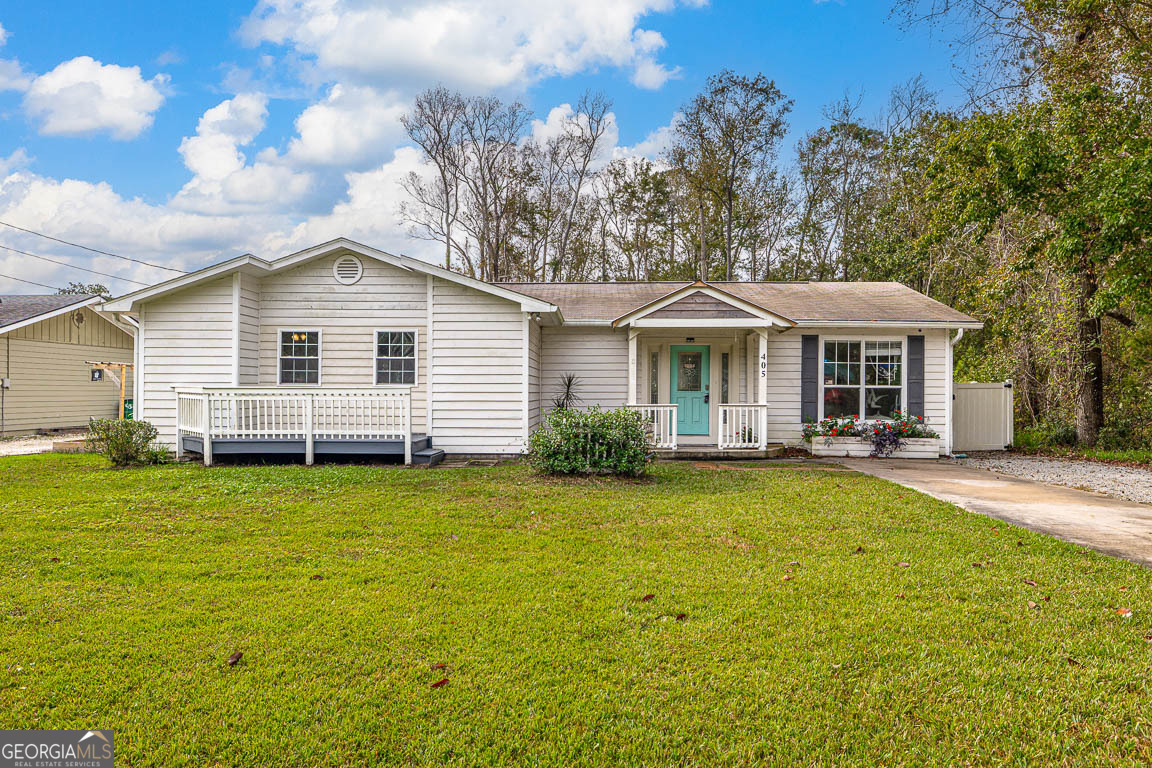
(299, 357)
(396, 357)
(864, 379)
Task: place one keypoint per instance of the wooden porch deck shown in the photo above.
(422, 450)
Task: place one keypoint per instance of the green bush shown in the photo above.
(126, 443)
(591, 442)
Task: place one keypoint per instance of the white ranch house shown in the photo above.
(343, 348)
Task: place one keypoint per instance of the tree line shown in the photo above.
(1030, 207)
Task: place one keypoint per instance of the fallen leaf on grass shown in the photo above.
(440, 683)
(1123, 589)
(234, 658)
(901, 595)
(977, 565)
(788, 577)
(440, 665)
(1124, 613)
(794, 562)
(1029, 582)
(647, 598)
(1073, 662)
(903, 565)
(1148, 638)
(55, 559)
(316, 577)
(681, 616)
(859, 550)
(1033, 605)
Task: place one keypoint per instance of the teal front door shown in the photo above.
(689, 370)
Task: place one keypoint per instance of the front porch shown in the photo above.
(299, 421)
(706, 388)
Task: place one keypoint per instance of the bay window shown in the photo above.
(863, 379)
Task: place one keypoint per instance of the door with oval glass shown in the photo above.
(690, 388)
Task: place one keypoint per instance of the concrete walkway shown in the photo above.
(1112, 526)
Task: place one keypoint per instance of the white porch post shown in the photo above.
(408, 429)
(309, 433)
(632, 334)
(762, 387)
(207, 431)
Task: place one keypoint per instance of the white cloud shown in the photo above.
(368, 213)
(94, 213)
(353, 126)
(653, 146)
(12, 76)
(83, 96)
(474, 46)
(14, 162)
(222, 182)
(3, 35)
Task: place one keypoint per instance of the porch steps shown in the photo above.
(712, 453)
(429, 456)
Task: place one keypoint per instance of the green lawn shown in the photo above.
(345, 585)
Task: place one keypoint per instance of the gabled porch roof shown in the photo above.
(701, 305)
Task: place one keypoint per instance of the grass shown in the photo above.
(1128, 457)
(345, 585)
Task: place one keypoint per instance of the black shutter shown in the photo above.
(916, 376)
(809, 377)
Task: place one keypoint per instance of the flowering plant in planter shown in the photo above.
(847, 427)
(886, 436)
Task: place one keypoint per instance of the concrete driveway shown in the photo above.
(1112, 526)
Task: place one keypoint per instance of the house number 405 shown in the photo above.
(763, 365)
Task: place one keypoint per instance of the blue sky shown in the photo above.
(100, 104)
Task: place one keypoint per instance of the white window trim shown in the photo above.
(319, 356)
(415, 351)
(862, 339)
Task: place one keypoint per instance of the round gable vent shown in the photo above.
(347, 270)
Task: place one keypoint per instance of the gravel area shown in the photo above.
(1122, 482)
(18, 446)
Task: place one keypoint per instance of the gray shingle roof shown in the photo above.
(823, 302)
(13, 309)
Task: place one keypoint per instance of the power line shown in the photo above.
(66, 264)
(93, 250)
(32, 282)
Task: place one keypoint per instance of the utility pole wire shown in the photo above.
(93, 250)
(73, 266)
(32, 282)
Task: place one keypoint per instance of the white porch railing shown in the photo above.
(255, 413)
(743, 426)
(662, 418)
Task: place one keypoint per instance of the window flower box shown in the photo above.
(861, 447)
(902, 437)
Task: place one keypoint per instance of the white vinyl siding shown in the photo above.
(47, 363)
(348, 316)
(249, 340)
(186, 339)
(784, 375)
(535, 393)
(478, 370)
(598, 356)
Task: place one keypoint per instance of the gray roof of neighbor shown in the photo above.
(823, 302)
(13, 309)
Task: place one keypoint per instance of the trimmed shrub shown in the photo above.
(591, 442)
(126, 442)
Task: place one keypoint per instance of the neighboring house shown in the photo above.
(46, 345)
(345, 348)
